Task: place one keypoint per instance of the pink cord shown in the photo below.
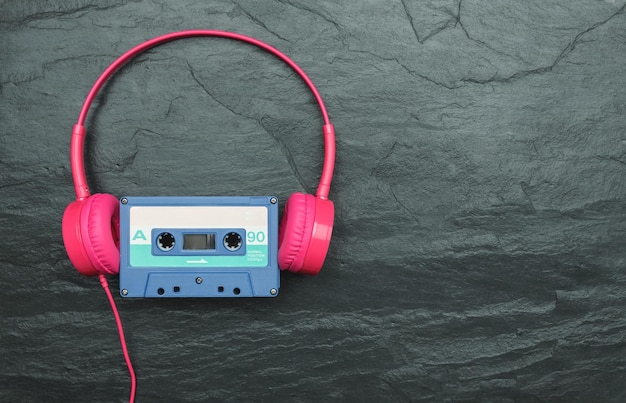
(120, 330)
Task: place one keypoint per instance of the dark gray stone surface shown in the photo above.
(480, 187)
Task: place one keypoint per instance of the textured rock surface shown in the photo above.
(478, 251)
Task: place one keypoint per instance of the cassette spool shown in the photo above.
(199, 246)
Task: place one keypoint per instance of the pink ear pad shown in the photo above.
(305, 232)
(98, 217)
(320, 238)
(73, 240)
(295, 231)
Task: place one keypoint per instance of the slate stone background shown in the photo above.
(478, 250)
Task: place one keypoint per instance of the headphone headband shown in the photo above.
(78, 133)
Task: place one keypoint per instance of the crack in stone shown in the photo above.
(42, 15)
(388, 154)
(44, 67)
(143, 130)
(283, 147)
(171, 104)
(126, 162)
(408, 70)
(496, 78)
(374, 170)
(36, 28)
(206, 90)
(525, 189)
(445, 25)
(312, 11)
(540, 70)
(458, 19)
(449, 23)
(384, 158)
(288, 156)
(572, 45)
(8, 185)
(458, 22)
(410, 18)
(259, 22)
(618, 159)
(404, 207)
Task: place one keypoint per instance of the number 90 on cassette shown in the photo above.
(199, 246)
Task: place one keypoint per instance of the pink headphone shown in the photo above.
(91, 222)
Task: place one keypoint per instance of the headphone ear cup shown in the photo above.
(295, 231)
(100, 232)
(319, 240)
(73, 239)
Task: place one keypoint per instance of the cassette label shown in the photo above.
(223, 240)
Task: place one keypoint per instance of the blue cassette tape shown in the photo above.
(199, 247)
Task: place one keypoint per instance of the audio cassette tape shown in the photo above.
(199, 246)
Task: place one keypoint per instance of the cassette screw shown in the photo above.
(273, 291)
(198, 280)
(124, 200)
(124, 292)
(273, 200)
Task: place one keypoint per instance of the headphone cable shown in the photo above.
(120, 330)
